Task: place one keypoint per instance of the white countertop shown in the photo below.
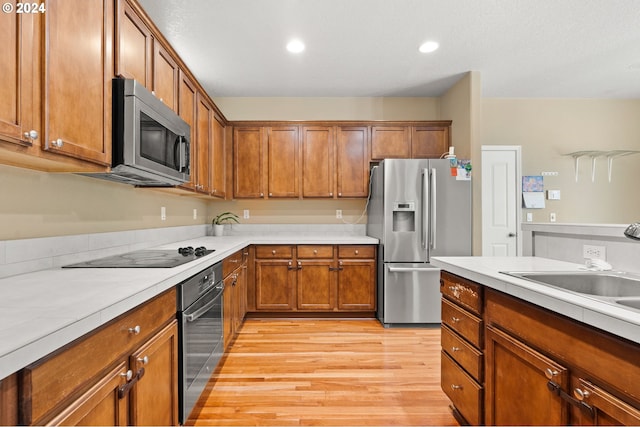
(45, 310)
(624, 322)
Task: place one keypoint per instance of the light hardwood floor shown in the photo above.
(327, 372)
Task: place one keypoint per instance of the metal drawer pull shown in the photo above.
(144, 360)
(135, 330)
(454, 349)
(455, 319)
(315, 252)
(356, 252)
(549, 373)
(273, 252)
(581, 394)
(128, 375)
(456, 387)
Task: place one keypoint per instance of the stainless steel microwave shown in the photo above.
(151, 143)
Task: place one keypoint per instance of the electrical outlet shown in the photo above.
(552, 217)
(163, 213)
(594, 252)
(246, 214)
(195, 214)
(338, 213)
(529, 217)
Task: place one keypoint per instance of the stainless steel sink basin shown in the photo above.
(633, 303)
(596, 283)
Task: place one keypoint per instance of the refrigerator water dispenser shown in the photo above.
(404, 216)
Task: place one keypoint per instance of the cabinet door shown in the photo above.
(357, 285)
(187, 110)
(352, 160)
(605, 408)
(101, 405)
(78, 73)
(218, 158)
(316, 285)
(248, 162)
(204, 113)
(19, 82)
(275, 285)
(154, 398)
(134, 46)
(390, 142)
(317, 161)
(282, 143)
(165, 76)
(429, 142)
(521, 384)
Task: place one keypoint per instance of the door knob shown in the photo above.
(511, 234)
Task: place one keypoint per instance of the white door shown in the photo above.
(501, 194)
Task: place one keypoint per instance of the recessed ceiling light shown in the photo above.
(429, 46)
(295, 46)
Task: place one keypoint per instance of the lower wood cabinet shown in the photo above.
(315, 278)
(234, 307)
(509, 362)
(125, 373)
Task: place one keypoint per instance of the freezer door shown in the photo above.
(404, 219)
(411, 294)
(450, 219)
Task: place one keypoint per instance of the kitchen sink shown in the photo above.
(633, 303)
(594, 283)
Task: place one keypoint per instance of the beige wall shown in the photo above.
(548, 129)
(363, 108)
(39, 204)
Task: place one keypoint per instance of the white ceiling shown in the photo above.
(522, 48)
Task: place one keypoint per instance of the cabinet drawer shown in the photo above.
(356, 251)
(462, 291)
(315, 251)
(465, 394)
(68, 371)
(274, 251)
(231, 262)
(464, 323)
(462, 352)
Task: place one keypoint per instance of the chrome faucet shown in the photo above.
(633, 231)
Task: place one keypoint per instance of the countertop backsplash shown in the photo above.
(29, 255)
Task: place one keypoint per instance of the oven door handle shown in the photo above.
(198, 313)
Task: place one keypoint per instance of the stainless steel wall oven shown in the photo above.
(201, 343)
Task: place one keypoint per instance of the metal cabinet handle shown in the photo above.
(135, 330)
(454, 349)
(315, 252)
(261, 194)
(144, 360)
(339, 194)
(550, 373)
(511, 235)
(456, 387)
(455, 319)
(127, 375)
(32, 134)
(270, 194)
(581, 394)
(273, 252)
(122, 391)
(58, 143)
(331, 194)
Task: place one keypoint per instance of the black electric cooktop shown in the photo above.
(146, 259)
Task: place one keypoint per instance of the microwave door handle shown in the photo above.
(177, 162)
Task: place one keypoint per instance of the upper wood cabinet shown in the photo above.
(218, 161)
(248, 147)
(318, 161)
(413, 141)
(19, 85)
(77, 79)
(202, 166)
(284, 163)
(143, 57)
(390, 142)
(352, 161)
(187, 94)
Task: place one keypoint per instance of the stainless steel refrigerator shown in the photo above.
(417, 210)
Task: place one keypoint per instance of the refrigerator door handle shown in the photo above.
(411, 269)
(432, 216)
(424, 201)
